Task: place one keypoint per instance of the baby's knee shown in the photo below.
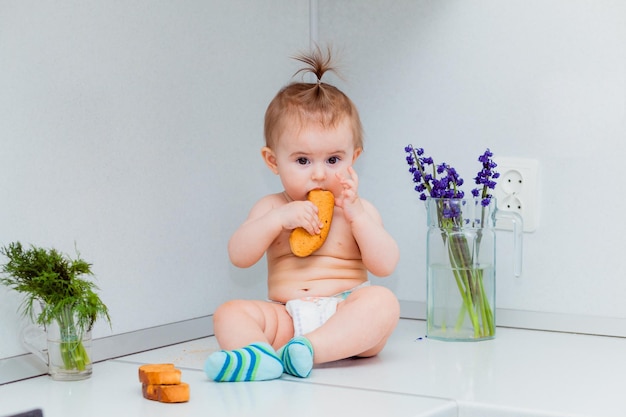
(383, 302)
(383, 299)
(390, 305)
(230, 309)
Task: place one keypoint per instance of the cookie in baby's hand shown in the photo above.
(302, 243)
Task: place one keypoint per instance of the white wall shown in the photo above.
(533, 79)
(133, 129)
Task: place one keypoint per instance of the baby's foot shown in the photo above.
(255, 362)
(297, 357)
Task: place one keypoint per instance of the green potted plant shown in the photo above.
(58, 298)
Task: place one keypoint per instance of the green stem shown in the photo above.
(460, 319)
(486, 308)
(73, 351)
(468, 277)
(470, 283)
(460, 260)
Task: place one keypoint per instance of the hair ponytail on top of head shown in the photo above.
(316, 102)
(317, 63)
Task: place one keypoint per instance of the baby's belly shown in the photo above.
(311, 277)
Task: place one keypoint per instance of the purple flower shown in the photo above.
(443, 181)
(418, 166)
(485, 178)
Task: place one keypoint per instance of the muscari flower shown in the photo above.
(485, 178)
(444, 181)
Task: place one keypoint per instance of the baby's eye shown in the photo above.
(333, 160)
(302, 161)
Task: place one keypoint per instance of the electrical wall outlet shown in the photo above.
(517, 190)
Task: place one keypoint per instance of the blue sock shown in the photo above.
(255, 362)
(297, 357)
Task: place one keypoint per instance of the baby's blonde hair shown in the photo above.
(311, 102)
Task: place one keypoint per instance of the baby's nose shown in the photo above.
(319, 172)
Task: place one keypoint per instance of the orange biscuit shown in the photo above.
(159, 374)
(301, 242)
(178, 393)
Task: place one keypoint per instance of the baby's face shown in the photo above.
(309, 157)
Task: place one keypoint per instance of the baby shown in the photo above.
(320, 308)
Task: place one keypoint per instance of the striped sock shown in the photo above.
(255, 362)
(297, 357)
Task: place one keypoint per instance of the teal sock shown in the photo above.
(255, 362)
(297, 357)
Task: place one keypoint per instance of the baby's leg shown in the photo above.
(360, 327)
(250, 331)
(239, 323)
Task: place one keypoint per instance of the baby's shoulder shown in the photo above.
(273, 200)
(267, 203)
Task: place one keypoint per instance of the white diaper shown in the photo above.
(309, 313)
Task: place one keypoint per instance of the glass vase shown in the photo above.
(62, 345)
(461, 267)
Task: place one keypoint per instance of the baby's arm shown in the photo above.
(267, 219)
(379, 251)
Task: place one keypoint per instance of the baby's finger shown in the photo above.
(313, 222)
(353, 176)
(347, 183)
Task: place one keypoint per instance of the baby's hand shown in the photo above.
(300, 214)
(349, 198)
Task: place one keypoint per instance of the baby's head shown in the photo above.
(305, 103)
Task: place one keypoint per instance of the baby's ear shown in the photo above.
(270, 159)
(357, 152)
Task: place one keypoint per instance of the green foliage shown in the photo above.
(48, 277)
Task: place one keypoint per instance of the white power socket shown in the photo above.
(517, 190)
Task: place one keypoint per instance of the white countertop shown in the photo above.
(519, 373)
